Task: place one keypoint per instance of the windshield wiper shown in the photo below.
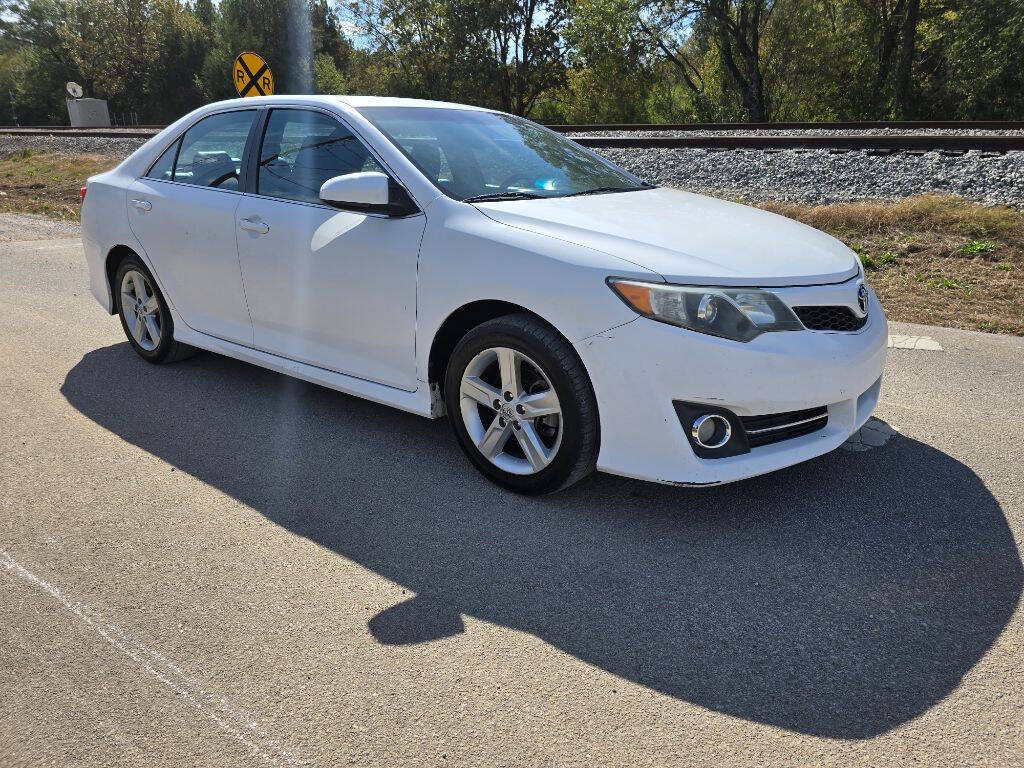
(493, 197)
(602, 190)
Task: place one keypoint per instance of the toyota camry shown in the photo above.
(446, 259)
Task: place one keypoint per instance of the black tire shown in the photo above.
(576, 454)
(167, 350)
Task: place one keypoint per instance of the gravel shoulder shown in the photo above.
(15, 227)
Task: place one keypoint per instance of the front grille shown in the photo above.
(775, 427)
(829, 318)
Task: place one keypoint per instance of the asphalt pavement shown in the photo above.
(209, 564)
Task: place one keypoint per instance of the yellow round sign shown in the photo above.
(252, 75)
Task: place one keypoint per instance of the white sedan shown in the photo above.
(440, 258)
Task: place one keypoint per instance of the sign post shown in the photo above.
(252, 75)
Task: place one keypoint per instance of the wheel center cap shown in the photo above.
(508, 412)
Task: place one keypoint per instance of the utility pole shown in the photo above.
(14, 114)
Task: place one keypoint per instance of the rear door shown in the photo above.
(183, 213)
(332, 288)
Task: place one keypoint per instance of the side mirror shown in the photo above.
(371, 191)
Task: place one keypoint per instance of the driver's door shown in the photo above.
(328, 287)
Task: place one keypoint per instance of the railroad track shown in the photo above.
(839, 142)
(832, 138)
(976, 125)
(138, 132)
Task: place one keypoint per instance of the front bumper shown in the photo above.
(640, 368)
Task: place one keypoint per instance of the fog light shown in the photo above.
(711, 431)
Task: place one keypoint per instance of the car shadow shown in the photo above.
(839, 598)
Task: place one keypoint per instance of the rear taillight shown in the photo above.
(81, 194)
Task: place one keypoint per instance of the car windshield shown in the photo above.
(474, 155)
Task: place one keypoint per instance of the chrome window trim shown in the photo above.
(190, 186)
(327, 207)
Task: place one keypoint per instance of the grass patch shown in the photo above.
(917, 260)
(923, 213)
(47, 184)
(979, 246)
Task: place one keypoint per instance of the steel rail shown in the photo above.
(847, 142)
(976, 125)
(111, 133)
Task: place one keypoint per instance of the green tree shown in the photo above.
(427, 48)
(734, 27)
(288, 34)
(501, 53)
(115, 45)
(557, 60)
(610, 70)
(183, 42)
(326, 77)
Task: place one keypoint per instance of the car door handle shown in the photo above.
(252, 224)
(143, 205)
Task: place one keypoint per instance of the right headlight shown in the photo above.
(740, 314)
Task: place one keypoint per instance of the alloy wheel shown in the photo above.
(511, 410)
(141, 309)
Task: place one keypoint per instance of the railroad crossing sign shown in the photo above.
(252, 75)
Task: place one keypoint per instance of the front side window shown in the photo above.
(302, 149)
(473, 153)
(212, 149)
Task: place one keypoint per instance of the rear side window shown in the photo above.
(302, 149)
(212, 149)
(163, 168)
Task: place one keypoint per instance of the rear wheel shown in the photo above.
(145, 316)
(521, 405)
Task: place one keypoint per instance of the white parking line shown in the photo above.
(897, 341)
(213, 707)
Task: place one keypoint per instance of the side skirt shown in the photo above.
(418, 401)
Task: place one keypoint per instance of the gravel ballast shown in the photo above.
(805, 176)
(69, 145)
(821, 177)
(807, 132)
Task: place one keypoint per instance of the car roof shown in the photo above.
(391, 101)
(134, 165)
(353, 101)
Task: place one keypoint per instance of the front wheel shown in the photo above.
(522, 406)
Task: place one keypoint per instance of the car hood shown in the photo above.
(687, 238)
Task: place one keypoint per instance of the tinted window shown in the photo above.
(472, 152)
(301, 150)
(163, 168)
(211, 150)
